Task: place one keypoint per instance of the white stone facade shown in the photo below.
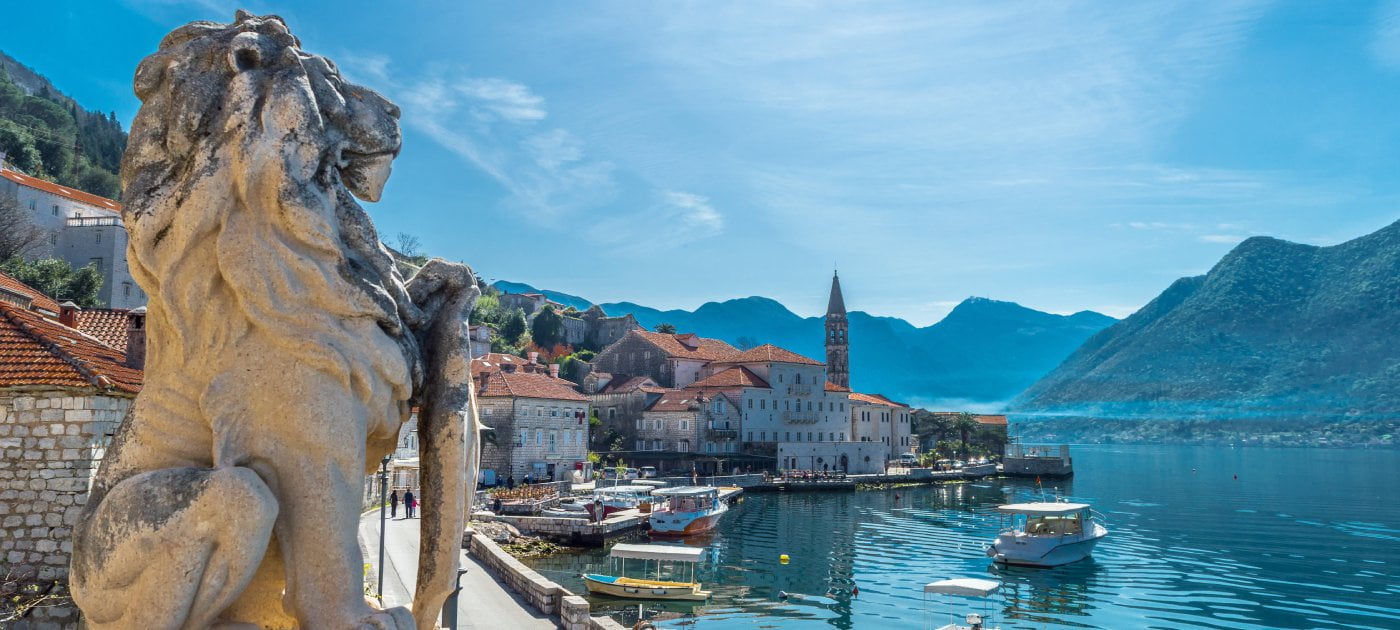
(535, 435)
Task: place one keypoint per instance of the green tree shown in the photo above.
(745, 343)
(547, 328)
(964, 424)
(513, 326)
(663, 327)
(19, 235)
(58, 279)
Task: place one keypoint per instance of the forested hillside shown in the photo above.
(48, 135)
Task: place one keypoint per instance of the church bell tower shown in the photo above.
(838, 370)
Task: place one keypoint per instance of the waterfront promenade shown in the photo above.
(484, 604)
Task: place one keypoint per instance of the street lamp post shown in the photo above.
(383, 496)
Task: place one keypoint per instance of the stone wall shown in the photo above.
(633, 355)
(51, 441)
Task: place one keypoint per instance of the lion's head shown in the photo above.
(238, 179)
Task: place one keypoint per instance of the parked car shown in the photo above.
(909, 459)
(629, 473)
(647, 472)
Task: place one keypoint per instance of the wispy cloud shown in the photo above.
(1385, 42)
(675, 219)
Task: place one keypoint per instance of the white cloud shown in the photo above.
(1385, 42)
(1221, 238)
(677, 218)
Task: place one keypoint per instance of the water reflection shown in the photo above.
(1190, 546)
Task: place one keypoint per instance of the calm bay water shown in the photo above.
(1304, 538)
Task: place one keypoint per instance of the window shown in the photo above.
(639, 424)
(524, 437)
(641, 445)
(719, 406)
(656, 445)
(55, 211)
(799, 378)
(98, 233)
(53, 238)
(683, 446)
(685, 425)
(787, 436)
(809, 436)
(96, 262)
(750, 403)
(539, 437)
(809, 405)
(785, 405)
(763, 404)
(31, 204)
(126, 289)
(709, 447)
(780, 377)
(843, 436)
(750, 436)
(612, 413)
(553, 437)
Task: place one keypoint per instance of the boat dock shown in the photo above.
(584, 531)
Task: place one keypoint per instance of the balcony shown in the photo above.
(799, 390)
(723, 434)
(93, 221)
(801, 417)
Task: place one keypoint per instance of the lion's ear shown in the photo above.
(245, 52)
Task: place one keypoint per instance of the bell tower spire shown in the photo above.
(838, 371)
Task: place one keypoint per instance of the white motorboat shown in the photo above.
(1046, 534)
(651, 587)
(689, 510)
(963, 587)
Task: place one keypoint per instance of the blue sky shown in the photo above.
(1062, 155)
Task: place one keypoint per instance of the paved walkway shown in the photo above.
(484, 603)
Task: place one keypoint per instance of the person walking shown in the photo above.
(408, 503)
(394, 503)
(510, 482)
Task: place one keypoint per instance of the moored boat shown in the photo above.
(616, 498)
(1046, 534)
(665, 556)
(963, 587)
(689, 510)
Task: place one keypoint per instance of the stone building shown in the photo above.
(602, 331)
(672, 360)
(540, 425)
(838, 355)
(62, 395)
(877, 419)
(784, 398)
(82, 229)
(619, 402)
(686, 430)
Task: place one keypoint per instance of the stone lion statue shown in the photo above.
(284, 351)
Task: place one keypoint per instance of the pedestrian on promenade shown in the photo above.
(408, 502)
(510, 482)
(527, 479)
(394, 503)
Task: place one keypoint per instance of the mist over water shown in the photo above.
(1304, 538)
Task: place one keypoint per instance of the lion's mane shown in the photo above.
(231, 187)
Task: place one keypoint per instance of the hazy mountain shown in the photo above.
(1275, 329)
(984, 350)
(562, 298)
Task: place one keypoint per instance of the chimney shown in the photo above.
(554, 370)
(534, 357)
(68, 314)
(136, 338)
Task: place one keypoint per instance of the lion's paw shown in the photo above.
(397, 618)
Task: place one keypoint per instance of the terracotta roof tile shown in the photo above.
(833, 387)
(737, 376)
(769, 353)
(688, 346)
(107, 325)
(991, 420)
(39, 351)
(677, 400)
(90, 199)
(874, 399)
(493, 362)
(624, 385)
(38, 300)
(529, 385)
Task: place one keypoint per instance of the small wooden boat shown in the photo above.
(616, 498)
(646, 588)
(689, 510)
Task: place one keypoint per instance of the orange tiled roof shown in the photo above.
(90, 199)
(529, 385)
(107, 325)
(38, 300)
(833, 387)
(677, 400)
(769, 353)
(39, 351)
(688, 346)
(493, 362)
(991, 420)
(874, 399)
(737, 376)
(619, 386)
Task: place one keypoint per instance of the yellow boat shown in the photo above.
(644, 588)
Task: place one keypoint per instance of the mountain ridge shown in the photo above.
(1275, 328)
(985, 355)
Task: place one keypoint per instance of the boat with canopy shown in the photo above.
(963, 587)
(1047, 534)
(671, 561)
(689, 510)
(616, 498)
